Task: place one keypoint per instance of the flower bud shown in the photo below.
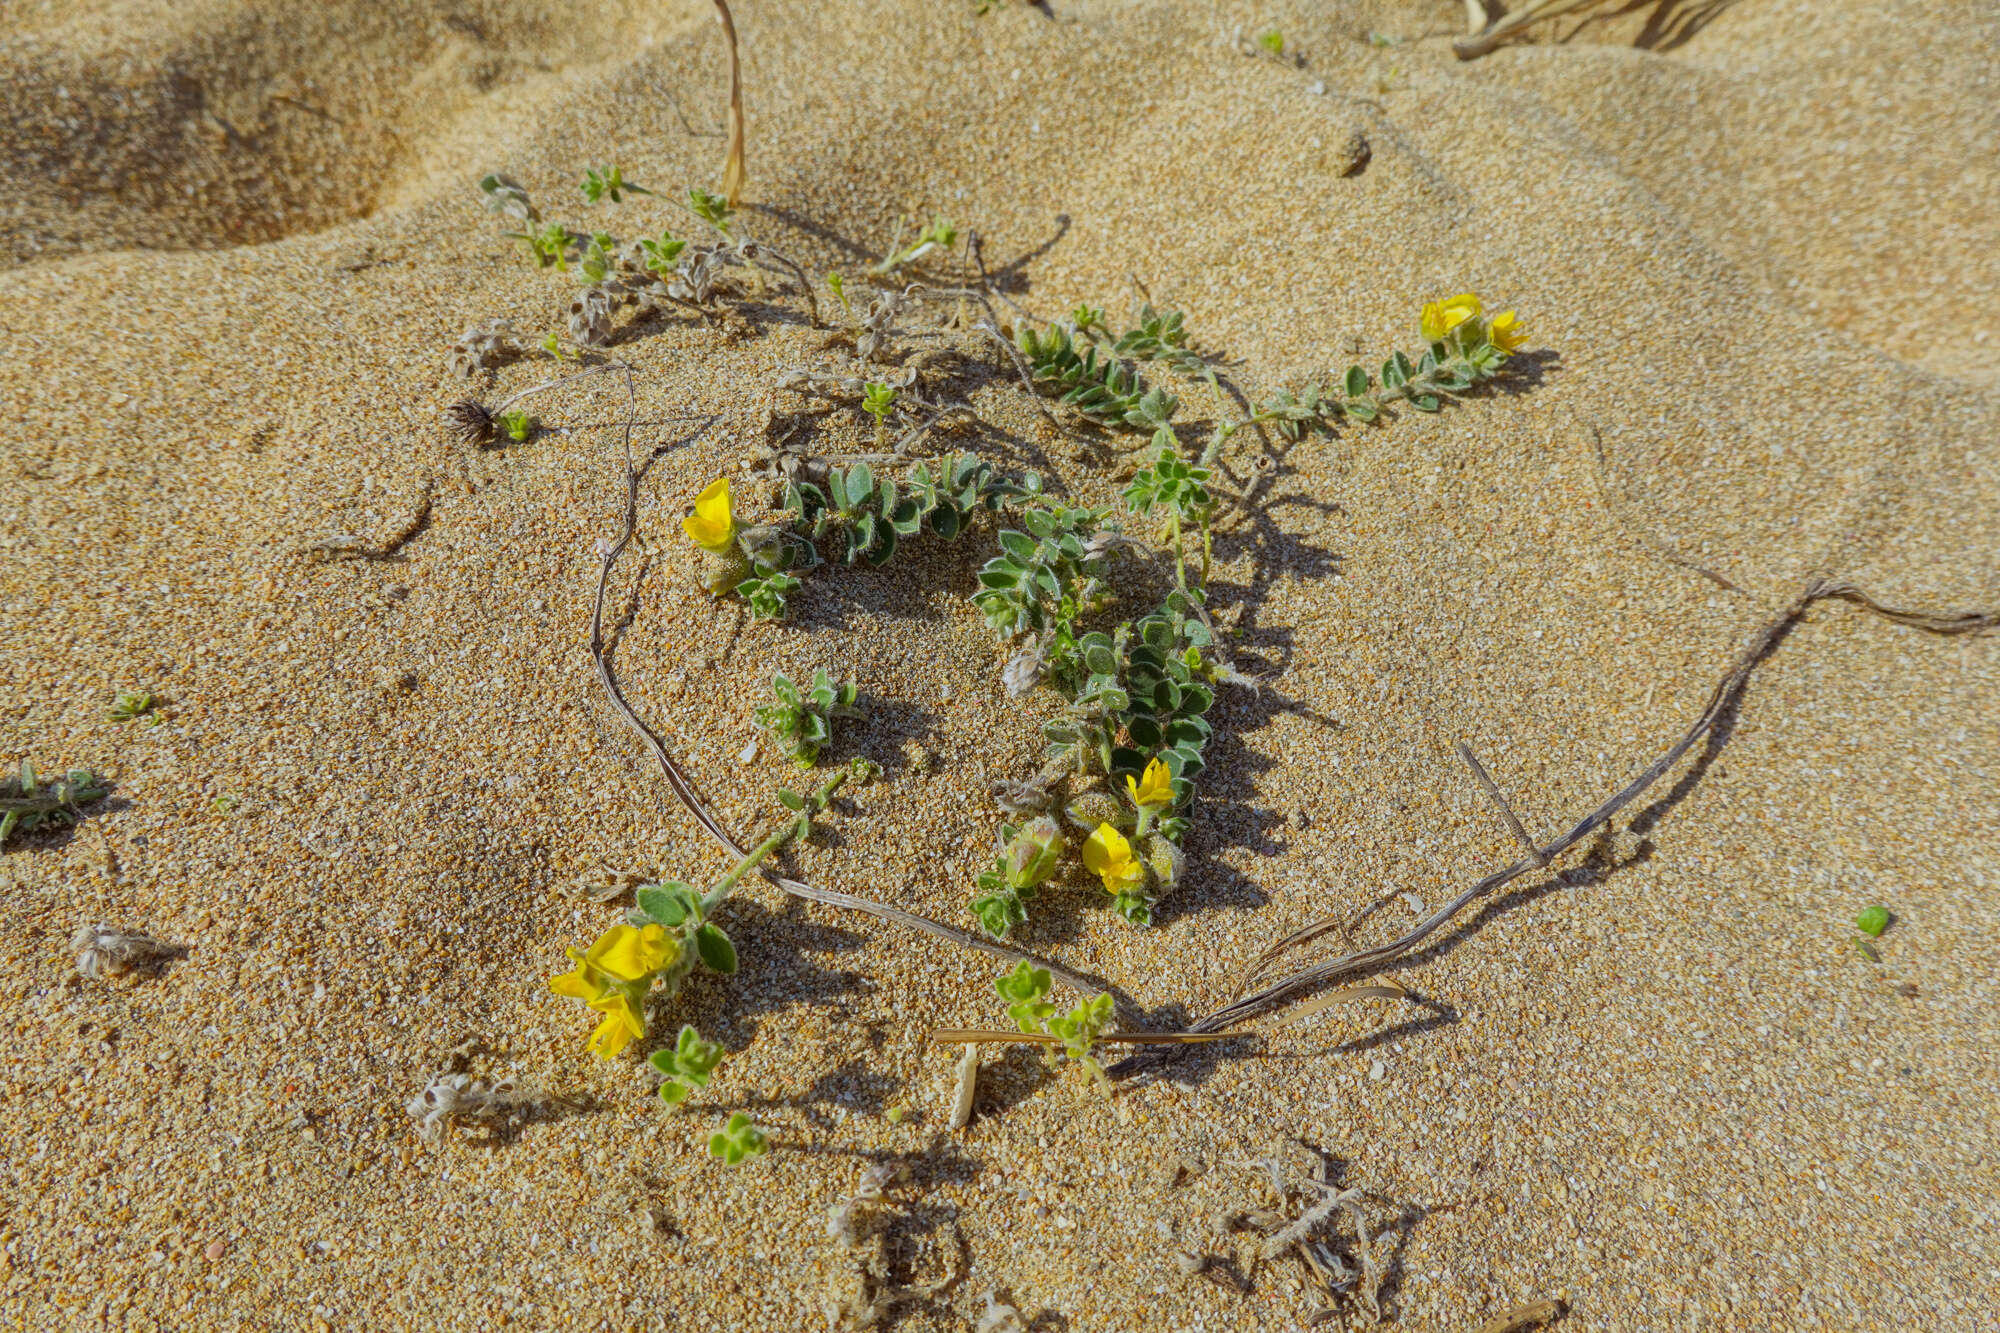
(1032, 855)
(1089, 809)
(1163, 859)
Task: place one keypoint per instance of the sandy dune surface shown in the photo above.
(1758, 246)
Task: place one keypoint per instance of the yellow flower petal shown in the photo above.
(712, 525)
(1155, 787)
(1441, 317)
(631, 952)
(1507, 331)
(581, 983)
(622, 1022)
(1109, 856)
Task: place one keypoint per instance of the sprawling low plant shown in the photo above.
(872, 512)
(1102, 389)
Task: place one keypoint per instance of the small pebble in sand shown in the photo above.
(216, 1249)
(1378, 1071)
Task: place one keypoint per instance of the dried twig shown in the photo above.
(683, 789)
(1246, 1007)
(1499, 801)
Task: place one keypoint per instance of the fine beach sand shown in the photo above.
(1658, 1083)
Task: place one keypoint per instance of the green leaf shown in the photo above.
(1393, 375)
(946, 521)
(1356, 383)
(791, 800)
(860, 485)
(669, 904)
(884, 548)
(1873, 920)
(715, 950)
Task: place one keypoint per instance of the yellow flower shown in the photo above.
(621, 954)
(712, 525)
(1441, 317)
(1156, 787)
(622, 1022)
(1507, 331)
(631, 952)
(1110, 857)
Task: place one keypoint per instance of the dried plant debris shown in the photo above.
(450, 1097)
(482, 347)
(1295, 1213)
(1000, 1317)
(29, 803)
(106, 951)
(471, 421)
(865, 1292)
(844, 1219)
(590, 317)
(604, 885)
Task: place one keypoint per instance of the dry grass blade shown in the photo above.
(1766, 639)
(734, 175)
(1346, 995)
(980, 1036)
(1522, 1316)
(1479, 43)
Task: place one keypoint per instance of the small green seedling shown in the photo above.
(688, 1065)
(878, 400)
(553, 345)
(896, 1115)
(839, 286)
(27, 803)
(1026, 991)
(661, 255)
(738, 1141)
(710, 208)
(940, 235)
(134, 704)
(1272, 40)
(596, 262)
(766, 595)
(801, 721)
(549, 244)
(518, 425)
(225, 804)
(1872, 921)
(598, 182)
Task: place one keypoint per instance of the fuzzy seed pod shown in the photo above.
(1032, 855)
(1163, 859)
(723, 570)
(1088, 809)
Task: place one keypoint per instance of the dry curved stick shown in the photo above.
(1246, 1007)
(684, 790)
